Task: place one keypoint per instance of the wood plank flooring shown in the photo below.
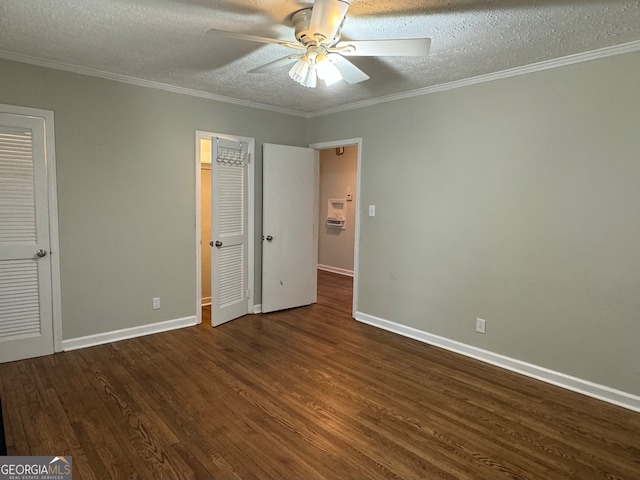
(307, 393)
(335, 291)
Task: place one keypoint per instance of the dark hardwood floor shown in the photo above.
(335, 291)
(303, 394)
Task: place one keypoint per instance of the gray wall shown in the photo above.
(338, 174)
(517, 201)
(126, 189)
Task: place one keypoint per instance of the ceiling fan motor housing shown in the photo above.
(301, 20)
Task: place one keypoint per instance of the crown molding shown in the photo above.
(41, 62)
(512, 72)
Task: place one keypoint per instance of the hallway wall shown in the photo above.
(338, 175)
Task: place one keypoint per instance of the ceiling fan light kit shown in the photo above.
(315, 63)
(318, 30)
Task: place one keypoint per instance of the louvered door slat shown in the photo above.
(19, 302)
(17, 186)
(31, 329)
(12, 321)
(230, 215)
(12, 309)
(18, 290)
(231, 279)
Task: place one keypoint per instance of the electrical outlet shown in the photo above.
(156, 303)
(481, 325)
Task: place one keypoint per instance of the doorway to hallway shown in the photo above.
(335, 291)
(338, 212)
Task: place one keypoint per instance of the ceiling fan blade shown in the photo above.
(350, 73)
(326, 17)
(409, 47)
(281, 62)
(254, 38)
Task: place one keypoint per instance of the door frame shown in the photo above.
(356, 247)
(200, 134)
(52, 192)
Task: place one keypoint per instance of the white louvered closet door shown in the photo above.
(228, 230)
(26, 327)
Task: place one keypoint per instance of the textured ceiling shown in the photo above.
(164, 41)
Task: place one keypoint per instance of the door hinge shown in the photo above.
(248, 293)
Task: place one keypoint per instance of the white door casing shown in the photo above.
(229, 232)
(357, 142)
(29, 278)
(289, 227)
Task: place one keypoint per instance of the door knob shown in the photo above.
(218, 243)
(41, 253)
(269, 238)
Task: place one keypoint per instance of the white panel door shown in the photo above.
(289, 227)
(229, 239)
(26, 317)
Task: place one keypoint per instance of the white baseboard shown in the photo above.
(585, 387)
(126, 333)
(339, 271)
(257, 308)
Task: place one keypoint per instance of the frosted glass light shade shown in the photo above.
(311, 79)
(300, 70)
(328, 72)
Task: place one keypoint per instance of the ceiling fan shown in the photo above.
(321, 53)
